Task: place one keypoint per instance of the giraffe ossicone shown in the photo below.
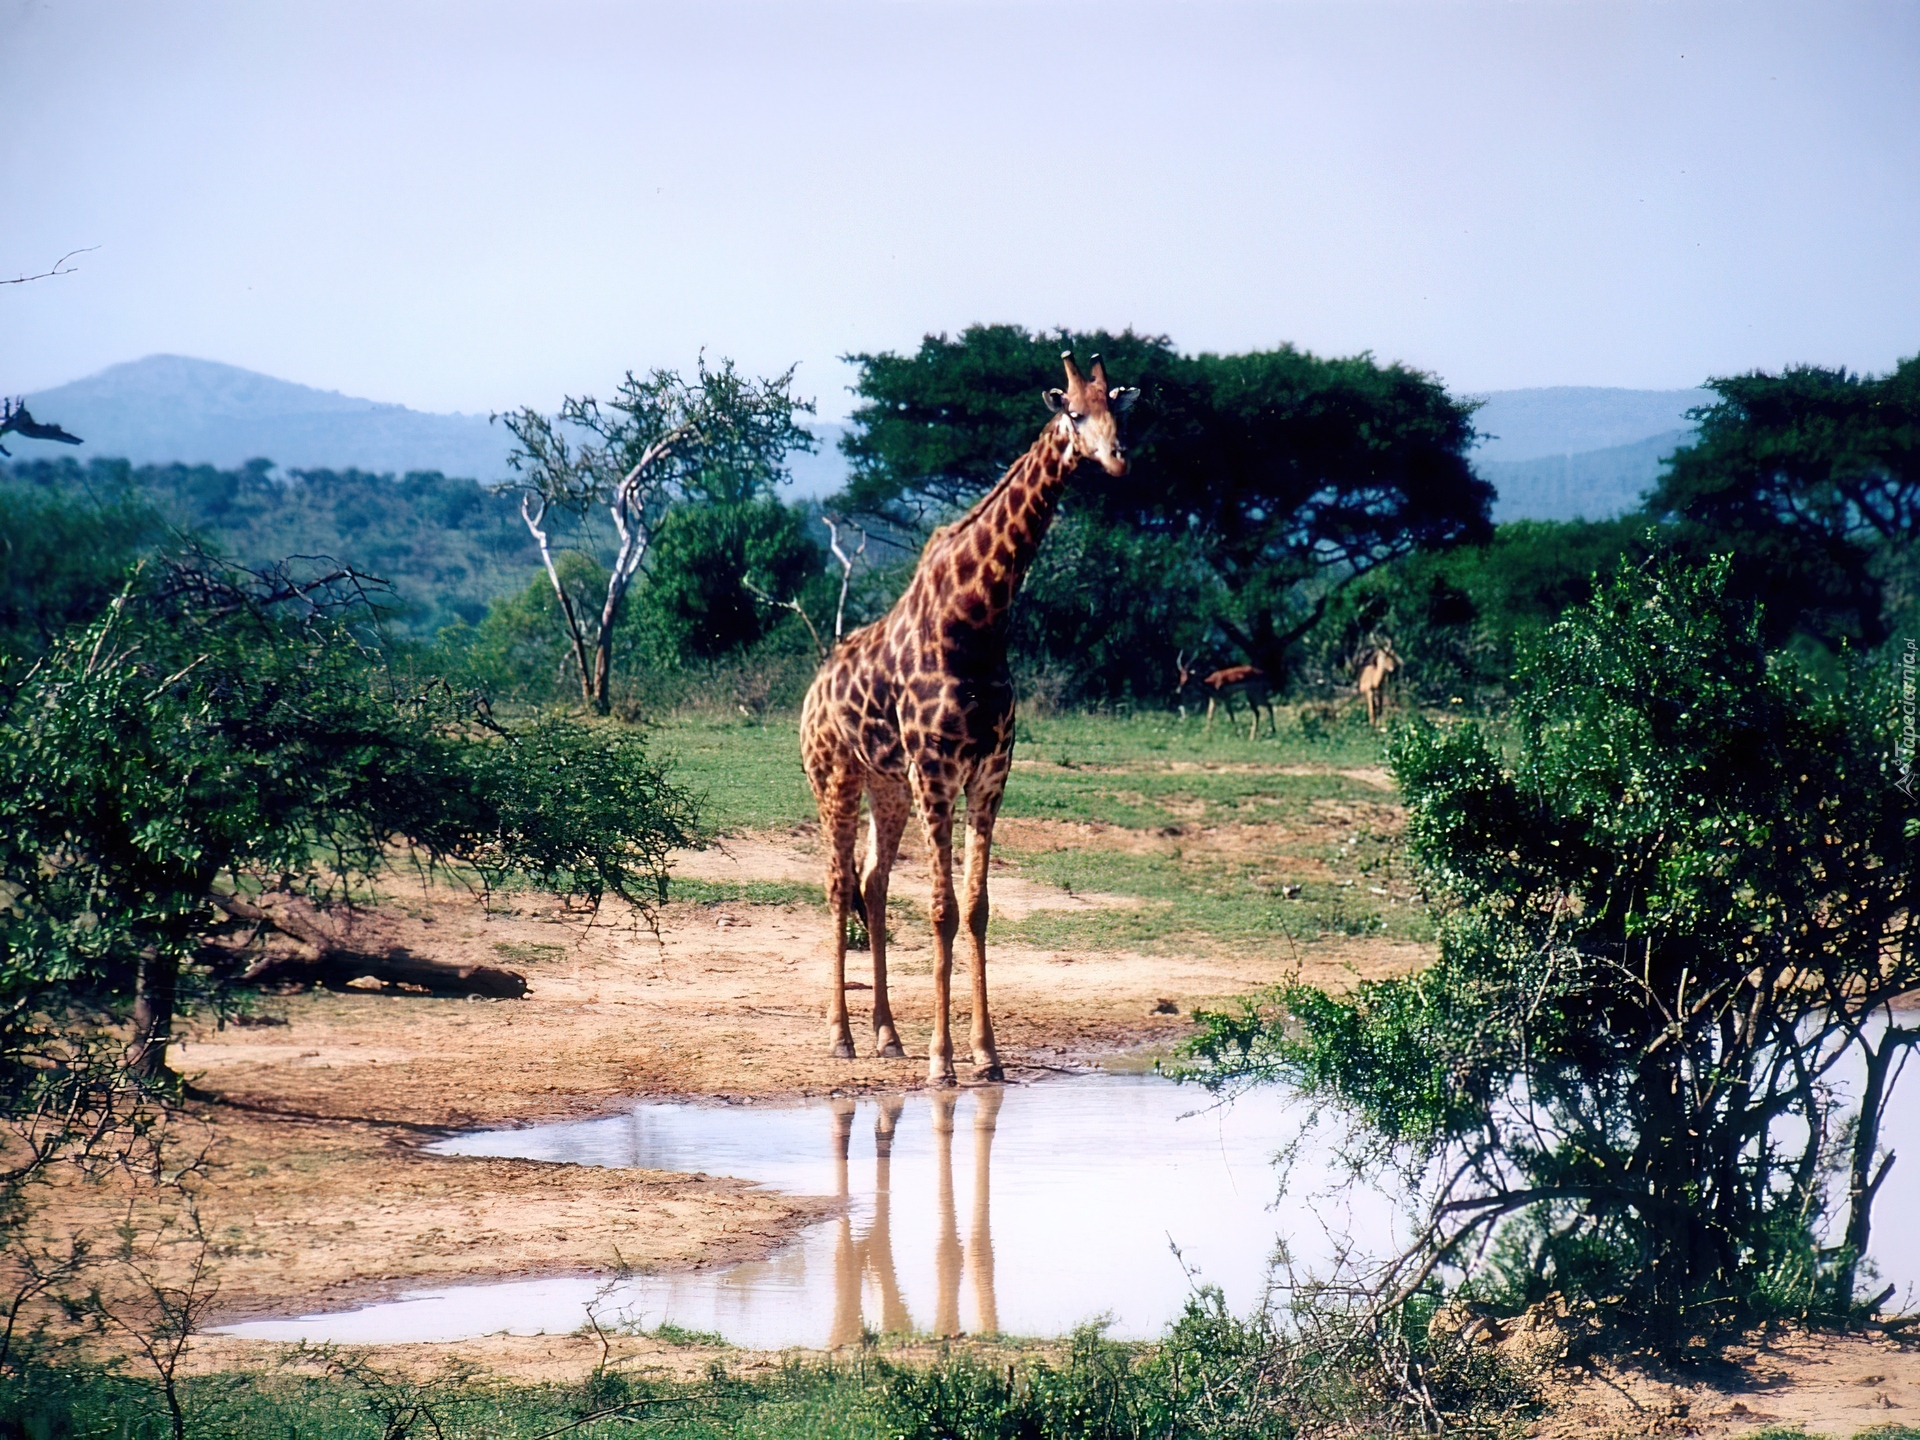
(916, 709)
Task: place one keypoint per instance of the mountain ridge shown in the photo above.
(1555, 452)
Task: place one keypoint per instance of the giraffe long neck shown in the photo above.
(984, 556)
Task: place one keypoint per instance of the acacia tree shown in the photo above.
(643, 451)
(216, 734)
(1811, 478)
(1675, 911)
(1284, 476)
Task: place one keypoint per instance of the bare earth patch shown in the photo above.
(320, 1193)
(1826, 1384)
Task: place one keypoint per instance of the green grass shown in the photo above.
(747, 892)
(822, 1400)
(1193, 902)
(1153, 774)
(1111, 769)
(747, 774)
(1095, 740)
(668, 1333)
(1148, 795)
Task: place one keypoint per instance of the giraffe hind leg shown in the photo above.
(889, 805)
(983, 808)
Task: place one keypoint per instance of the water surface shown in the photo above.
(1023, 1210)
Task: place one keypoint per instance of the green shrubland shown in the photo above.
(1673, 901)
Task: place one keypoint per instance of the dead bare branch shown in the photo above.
(57, 267)
(846, 571)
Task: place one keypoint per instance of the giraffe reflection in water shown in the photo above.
(870, 1256)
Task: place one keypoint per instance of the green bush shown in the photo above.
(217, 733)
(696, 605)
(1672, 901)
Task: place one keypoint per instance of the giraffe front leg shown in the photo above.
(839, 817)
(936, 809)
(983, 805)
(889, 804)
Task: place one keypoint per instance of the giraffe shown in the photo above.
(917, 709)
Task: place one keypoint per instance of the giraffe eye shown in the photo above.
(1076, 416)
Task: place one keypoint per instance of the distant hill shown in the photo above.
(172, 409)
(1590, 485)
(1559, 452)
(169, 409)
(1569, 419)
(1570, 452)
(366, 488)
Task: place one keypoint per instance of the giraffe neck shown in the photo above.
(985, 555)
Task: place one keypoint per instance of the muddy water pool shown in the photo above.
(1018, 1209)
(1021, 1210)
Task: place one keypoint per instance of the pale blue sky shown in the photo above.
(470, 205)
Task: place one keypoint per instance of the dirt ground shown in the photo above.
(318, 1191)
(1828, 1385)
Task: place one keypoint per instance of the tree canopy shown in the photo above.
(216, 733)
(1809, 477)
(661, 440)
(1286, 474)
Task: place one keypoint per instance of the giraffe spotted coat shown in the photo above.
(917, 710)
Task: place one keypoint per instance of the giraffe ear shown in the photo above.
(1121, 400)
(1056, 400)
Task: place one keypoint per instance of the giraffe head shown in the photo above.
(1088, 412)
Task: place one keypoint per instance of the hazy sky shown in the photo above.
(471, 206)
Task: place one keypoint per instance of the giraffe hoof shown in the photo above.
(991, 1072)
(843, 1049)
(890, 1050)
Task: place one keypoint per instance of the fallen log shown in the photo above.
(319, 957)
(337, 968)
(294, 918)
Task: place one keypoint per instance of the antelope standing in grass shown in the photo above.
(1375, 670)
(1248, 682)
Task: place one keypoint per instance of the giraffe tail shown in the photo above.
(859, 908)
